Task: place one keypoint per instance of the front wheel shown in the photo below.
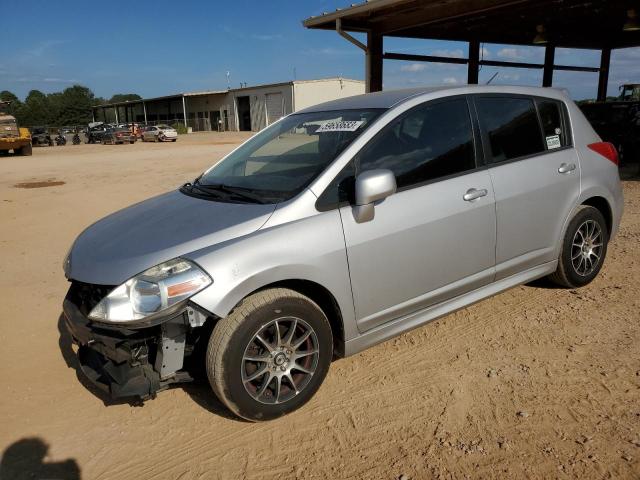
(270, 355)
(583, 249)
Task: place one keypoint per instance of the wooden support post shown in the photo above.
(474, 62)
(549, 60)
(603, 79)
(373, 74)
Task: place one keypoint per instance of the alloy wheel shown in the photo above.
(586, 248)
(280, 360)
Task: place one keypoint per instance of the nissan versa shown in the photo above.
(334, 229)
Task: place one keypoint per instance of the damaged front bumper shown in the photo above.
(132, 362)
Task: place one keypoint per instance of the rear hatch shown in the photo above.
(8, 127)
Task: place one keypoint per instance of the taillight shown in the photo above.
(607, 150)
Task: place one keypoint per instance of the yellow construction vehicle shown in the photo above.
(12, 137)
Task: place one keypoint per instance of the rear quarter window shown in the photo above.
(553, 121)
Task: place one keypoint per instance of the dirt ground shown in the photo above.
(534, 383)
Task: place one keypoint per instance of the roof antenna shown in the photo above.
(491, 79)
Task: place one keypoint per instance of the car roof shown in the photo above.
(390, 98)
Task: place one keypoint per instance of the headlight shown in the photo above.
(66, 263)
(151, 291)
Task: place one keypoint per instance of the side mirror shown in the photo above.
(372, 186)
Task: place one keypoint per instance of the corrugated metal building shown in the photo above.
(240, 109)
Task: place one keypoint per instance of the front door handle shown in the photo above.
(566, 168)
(473, 194)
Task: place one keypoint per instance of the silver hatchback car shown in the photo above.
(334, 229)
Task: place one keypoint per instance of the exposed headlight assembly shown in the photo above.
(152, 291)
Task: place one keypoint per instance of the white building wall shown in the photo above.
(311, 92)
(258, 103)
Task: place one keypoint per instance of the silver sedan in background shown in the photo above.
(159, 133)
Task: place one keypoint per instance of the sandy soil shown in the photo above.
(534, 383)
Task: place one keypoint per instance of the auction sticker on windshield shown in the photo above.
(344, 126)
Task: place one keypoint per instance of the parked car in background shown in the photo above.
(118, 135)
(95, 131)
(159, 133)
(40, 137)
(339, 227)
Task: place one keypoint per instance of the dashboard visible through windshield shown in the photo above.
(284, 158)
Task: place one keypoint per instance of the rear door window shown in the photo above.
(510, 127)
(553, 124)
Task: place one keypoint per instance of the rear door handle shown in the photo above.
(566, 168)
(473, 194)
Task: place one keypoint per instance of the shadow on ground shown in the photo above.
(25, 459)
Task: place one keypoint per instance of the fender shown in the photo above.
(590, 192)
(311, 249)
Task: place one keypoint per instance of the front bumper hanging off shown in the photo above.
(126, 362)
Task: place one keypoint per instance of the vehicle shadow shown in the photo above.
(25, 459)
(199, 390)
(545, 283)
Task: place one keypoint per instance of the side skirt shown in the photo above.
(409, 322)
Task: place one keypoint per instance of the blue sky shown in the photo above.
(167, 47)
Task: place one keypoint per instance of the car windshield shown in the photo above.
(165, 127)
(284, 158)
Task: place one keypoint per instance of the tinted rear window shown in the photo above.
(511, 127)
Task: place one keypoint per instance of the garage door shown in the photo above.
(274, 107)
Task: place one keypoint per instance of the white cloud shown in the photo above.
(41, 48)
(485, 53)
(513, 77)
(511, 53)
(266, 37)
(457, 53)
(329, 51)
(450, 80)
(414, 67)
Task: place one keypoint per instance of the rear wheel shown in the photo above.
(583, 249)
(26, 150)
(270, 355)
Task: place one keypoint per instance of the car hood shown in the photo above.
(127, 242)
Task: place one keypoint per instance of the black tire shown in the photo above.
(568, 274)
(235, 335)
(174, 139)
(26, 150)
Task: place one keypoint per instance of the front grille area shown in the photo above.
(85, 296)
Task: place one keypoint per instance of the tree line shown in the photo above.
(71, 107)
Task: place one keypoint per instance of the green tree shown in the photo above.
(74, 106)
(35, 110)
(124, 97)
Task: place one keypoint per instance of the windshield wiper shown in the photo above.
(244, 193)
(197, 189)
